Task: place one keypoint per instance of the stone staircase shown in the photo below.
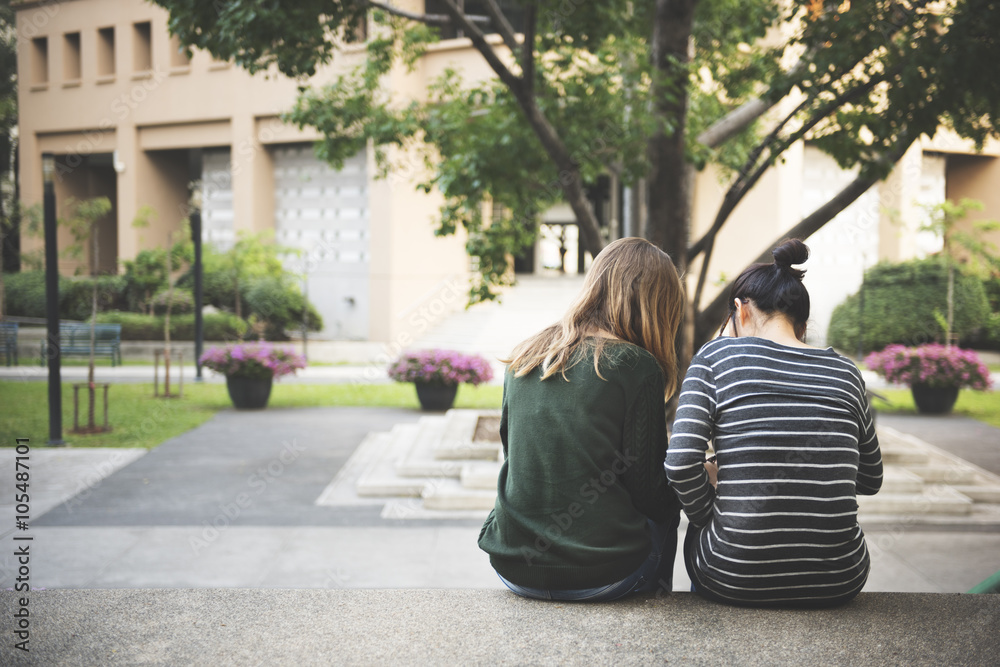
(446, 466)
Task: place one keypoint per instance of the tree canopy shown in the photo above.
(644, 89)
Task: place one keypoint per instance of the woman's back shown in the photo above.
(795, 443)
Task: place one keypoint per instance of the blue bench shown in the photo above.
(8, 341)
(74, 339)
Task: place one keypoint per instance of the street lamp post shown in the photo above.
(52, 301)
(199, 326)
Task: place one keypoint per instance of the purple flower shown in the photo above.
(934, 365)
(253, 360)
(445, 367)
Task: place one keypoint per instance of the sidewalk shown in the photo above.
(233, 504)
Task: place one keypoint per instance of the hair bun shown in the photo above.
(792, 251)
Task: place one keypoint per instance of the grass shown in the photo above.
(139, 420)
(981, 405)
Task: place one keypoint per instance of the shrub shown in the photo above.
(182, 300)
(144, 276)
(24, 294)
(441, 367)
(900, 304)
(932, 365)
(279, 304)
(136, 326)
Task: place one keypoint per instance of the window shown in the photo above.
(71, 57)
(357, 34)
(178, 57)
(106, 52)
(40, 61)
(142, 47)
(510, 8)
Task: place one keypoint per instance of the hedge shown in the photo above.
(899, 305)
(136, 326)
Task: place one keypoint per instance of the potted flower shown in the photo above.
(250, 369)
(935, 373)
(437, 374)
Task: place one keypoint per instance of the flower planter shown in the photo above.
(436, 397)
(934, 400)
(248, 393)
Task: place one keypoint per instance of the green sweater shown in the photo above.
(583, 471)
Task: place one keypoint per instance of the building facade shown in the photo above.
(104, 87)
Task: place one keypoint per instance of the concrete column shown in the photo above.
(128, 169)
(253, 178)
(899, 211)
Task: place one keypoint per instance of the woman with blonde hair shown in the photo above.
(583, 510)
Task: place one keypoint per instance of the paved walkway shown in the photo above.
(232, 504)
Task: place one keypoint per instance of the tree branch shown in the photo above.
(503, 26)
(738, 119)
(714, 312)
(528, 49)
(569, 179)
(429, 19)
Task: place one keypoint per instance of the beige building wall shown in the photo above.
(143, 108)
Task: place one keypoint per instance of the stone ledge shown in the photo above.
(321, 627)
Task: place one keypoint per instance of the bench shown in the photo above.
(468, 627)
(74, 339)
(8, 341)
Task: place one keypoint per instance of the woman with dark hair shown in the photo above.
(773, 515)
(583, 510)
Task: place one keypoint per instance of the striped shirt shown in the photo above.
(795, 442)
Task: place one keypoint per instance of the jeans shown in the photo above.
(655, 574)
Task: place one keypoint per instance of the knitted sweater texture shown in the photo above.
(795, 442)
(583, 471)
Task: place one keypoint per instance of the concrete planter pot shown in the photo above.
(934, 400)
(436, 397)
(248, 393)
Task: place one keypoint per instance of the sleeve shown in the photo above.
(644, 446)
(693, 429)
(503, 417)
(870, 462)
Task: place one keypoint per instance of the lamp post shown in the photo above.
(52, 301)
(199, 325)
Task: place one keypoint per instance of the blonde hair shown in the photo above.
(631, 292)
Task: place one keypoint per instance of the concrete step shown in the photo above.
(900, 454)
(980, 493)
(943, 473)
(900, 480)
(380, 479)
(457, 440)
(937, 499)
(481, 475)
(420, 461)
(449, 494)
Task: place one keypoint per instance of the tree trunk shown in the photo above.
(670, 181)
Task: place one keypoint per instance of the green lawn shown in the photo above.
(981, 405)
(139, 420)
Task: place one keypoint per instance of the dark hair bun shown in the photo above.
(792, 251)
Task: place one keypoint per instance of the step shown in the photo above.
(934, 500)
(937, 473)
(343, 489)
(980, 493)
(903, 455)
(380, 479)
(449, 494)
(457, 442)
(900, 480)
(481, 475)
(420, 460)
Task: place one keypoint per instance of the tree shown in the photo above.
(82, 225)
(943, 220)
(9, 196)
(643, 88)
